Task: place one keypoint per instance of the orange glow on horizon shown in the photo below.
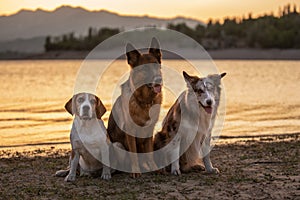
(201, 10)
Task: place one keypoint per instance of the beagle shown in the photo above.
(89, 141)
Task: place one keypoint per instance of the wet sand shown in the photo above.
(264, 168)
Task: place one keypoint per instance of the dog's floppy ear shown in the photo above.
(155, 49)
(223, 74)
(100, 109)
(69, 106)
(132, 54)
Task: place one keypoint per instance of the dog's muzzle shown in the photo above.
(156, 85)
(207, 108)
(86, 113)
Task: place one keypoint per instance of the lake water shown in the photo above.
(262, 97)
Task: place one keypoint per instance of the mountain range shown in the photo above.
(25, 31)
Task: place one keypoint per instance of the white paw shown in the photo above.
(70, 178)
(84, 173)
(106, 176)
(213, 171)
(176, 172)
(62, 173)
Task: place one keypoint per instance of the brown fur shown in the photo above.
(71, 107)
(141, 102)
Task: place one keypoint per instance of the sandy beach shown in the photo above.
(267, 168)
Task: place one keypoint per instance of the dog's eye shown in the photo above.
(80, 100)
(199, 91)
(93, 101)
(149, 85)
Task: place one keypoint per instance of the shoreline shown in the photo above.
(268, 169)
(222, 54)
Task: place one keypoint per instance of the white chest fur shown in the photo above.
(90, 139)
(90, 132)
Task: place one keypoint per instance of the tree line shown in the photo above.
(267, 31)
(68, 42)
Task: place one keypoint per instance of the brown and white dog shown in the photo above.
(89, 141)
(194, 111)
(136, 110)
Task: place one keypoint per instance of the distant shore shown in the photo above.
(224, 54)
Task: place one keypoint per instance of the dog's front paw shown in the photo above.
(70, 178)
(175, 168)
(135, 175)
(106, 176)
(198, 168)
(213, 171)
(176, 172)
(149, 166)
(145, 166)
(161, 171)
(62, 173)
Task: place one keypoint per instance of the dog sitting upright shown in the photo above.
(88, 137)
(193, 112)
(136, 110)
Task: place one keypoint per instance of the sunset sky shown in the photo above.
(198, 9)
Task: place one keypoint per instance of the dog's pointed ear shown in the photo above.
(132, 55)
(223, 74)
(154, 49)
(100, 108)
(217, 78)
(69, 106)
(189, 79)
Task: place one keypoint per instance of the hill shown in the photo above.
(28, 24)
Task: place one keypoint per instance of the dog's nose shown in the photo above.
(209, 102)
(158, 80)
(85, 109)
